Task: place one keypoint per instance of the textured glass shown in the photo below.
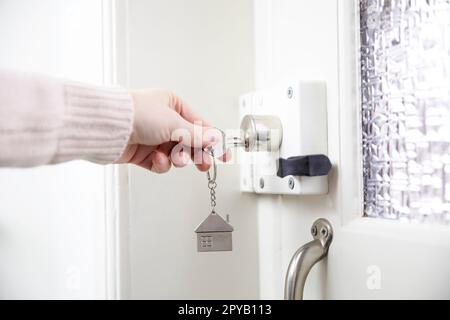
(405, 83)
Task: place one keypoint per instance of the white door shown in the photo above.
(403, 249)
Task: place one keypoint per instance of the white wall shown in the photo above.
(52, 219)
(203, 50)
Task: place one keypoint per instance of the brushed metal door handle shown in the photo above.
(306, 257)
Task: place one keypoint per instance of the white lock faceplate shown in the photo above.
(302, 109)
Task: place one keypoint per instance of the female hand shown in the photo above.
(166, 131)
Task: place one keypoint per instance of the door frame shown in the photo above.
(117, 205)
(432, 241)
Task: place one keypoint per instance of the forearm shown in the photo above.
(44, 121)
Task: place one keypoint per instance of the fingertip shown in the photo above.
(160, 163)
(180, 159)
(212, 136)
(203, 167)
(226, 156)
(206, 162)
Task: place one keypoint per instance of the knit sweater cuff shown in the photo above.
(97, 124)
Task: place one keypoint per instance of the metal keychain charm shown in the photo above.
(214, 233)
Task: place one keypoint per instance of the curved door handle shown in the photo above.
(306, 257)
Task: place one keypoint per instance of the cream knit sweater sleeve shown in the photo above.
(46, 121)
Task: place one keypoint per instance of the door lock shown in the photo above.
(261, 133)
(284, 140)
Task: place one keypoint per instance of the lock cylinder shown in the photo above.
(261, 133)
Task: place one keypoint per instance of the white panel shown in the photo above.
(203, 50)
(52, 218)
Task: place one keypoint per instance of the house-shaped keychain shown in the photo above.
(214, 234)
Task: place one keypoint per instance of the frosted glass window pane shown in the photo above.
(405, 92)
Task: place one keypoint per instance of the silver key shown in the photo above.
(223, 145)
(214, 233)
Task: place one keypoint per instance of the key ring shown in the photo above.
(208, 175)
(226, 143)
(210, 149)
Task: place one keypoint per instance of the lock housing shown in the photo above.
(298, 112)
